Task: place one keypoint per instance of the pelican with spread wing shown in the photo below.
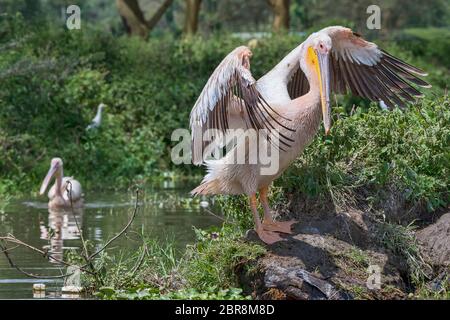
(288, 104)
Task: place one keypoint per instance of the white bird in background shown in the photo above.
(383, 105)
(66, 192)
(96, 122)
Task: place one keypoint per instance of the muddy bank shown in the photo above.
(334, 255)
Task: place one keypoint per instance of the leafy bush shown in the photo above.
(108, 293)
(53, 82)
(374, 150)
(213, 259)
(53, 79)
(206, 270)
(433, 44)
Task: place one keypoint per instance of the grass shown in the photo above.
(439, 291)
(372, 153)
(214, 261)
(402, 242)
(357, 257)
(354, 261)
(206, 270)
(146, 293)
(358, 292)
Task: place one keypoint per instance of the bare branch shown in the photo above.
(136, 206)
(12, 239)
(133, 17)
(6, 250)
(158, 14)
(85, 253)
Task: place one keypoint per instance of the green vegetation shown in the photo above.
(438, 291)
(206, 270)
(401, 241)
(357, 257)
(214, 260)
(187, 294)
(372, 152)
(52, 81)
(430, 43)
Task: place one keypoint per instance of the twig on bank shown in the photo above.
(136, 207)
(5, 250)
(84, 253)
(140, 260)
(88, 258)
(215, 215)
(13, 239)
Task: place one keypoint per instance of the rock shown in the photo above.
(38, 287)
(204, 204)
(325, 258)
(38, 294)
(439, 283)
(434, 241)
(70, 296)
(71, 289)
(301, 284)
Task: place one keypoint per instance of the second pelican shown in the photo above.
(66, 192)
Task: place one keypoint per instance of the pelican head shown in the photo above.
(56, 166)
(318, 48)
(100, 108)
(245, 54)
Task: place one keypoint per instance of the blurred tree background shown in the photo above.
(241, 16)
(148, 61)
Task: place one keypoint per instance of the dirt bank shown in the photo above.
(334, 255)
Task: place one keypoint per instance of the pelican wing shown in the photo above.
(232, 81)
(71, 189)
(298, 85)
(359, 66)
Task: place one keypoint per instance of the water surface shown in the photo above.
(166, 214)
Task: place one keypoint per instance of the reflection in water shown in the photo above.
(165, 215)
(62, 225)
(39, 294)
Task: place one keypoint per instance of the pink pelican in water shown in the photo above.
(66, 192)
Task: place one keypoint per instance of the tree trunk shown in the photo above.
(192, 12)
(281, 14)
(158, 14)
(133, 17)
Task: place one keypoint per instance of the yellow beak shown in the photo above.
(47, 179)
(323, 72)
